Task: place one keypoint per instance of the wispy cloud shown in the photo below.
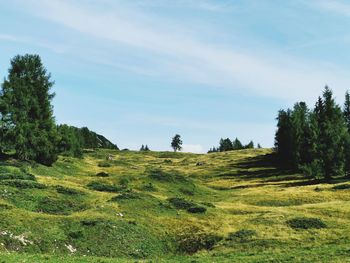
(339, 7)
(176, 54)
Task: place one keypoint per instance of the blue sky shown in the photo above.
(140, 71)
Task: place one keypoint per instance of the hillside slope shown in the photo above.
(221, 207)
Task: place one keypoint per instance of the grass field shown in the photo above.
(170, 207)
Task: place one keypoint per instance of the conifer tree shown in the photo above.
(26, 107)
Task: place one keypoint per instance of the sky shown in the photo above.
(140, 71)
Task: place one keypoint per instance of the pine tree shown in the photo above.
(283, 137)
(346, 110)
(250, 145)
(176, 143)
(26, 107)
(333, 129)
(237, 145)
(225, 145)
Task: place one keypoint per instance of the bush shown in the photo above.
(341, 187)
(67, 191)
(19, 176)
(126, 196)
(306, 223)
(241, 236)
(98, 186)
(149, 187)
(197, 209)
(160, 175)
(23, 184)
(180, 203)
(59, 207)
(102, 174)
(104, 164)
(193, 240)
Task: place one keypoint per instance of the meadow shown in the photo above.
(122, 206)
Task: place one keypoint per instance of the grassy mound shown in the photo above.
(306, 223)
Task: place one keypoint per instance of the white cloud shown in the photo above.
(192, 148)
(333, 6)
(176, 53)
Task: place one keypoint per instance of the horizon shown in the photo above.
(139, 72)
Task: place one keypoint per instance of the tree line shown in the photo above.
(315, 141)
(27, 123)
(232, 145)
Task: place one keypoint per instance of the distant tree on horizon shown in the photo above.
(176, 143)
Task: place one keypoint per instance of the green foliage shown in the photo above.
(102, 174)
(176, 143)
(192, 239)
(341, 187)
(22, 184)
(102, 187)
(55, 206)
(26, 112)
(242, 235)
(104, 164)
(180, 203)
(317, 141)
(165, 176)
(306, 223)
(67, 191)
(197, 209)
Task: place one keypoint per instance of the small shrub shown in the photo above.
(126, 196)
(341, 187)
(197, 210)
(149, 187)
(58, 206)
(23, 184)
(180, 203)
(104, 164)
(67, 191)
(160, 175)
(98, 186)
(306, 223)
(187, 191)
(17, 176)
(242, 235)
(102, 174)
(193, 240)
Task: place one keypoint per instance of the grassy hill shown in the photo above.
(161, 206)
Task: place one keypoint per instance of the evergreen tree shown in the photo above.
(69, 143)
(333, 129)
(176, 143)
(237, 145)
(225, 145)
(283, 137)
(346, 110)
(26, 108)
(250, 145)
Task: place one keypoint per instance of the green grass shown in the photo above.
(162, 207)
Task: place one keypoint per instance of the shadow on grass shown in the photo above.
(268, 169)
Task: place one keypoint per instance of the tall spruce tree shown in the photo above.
(331, 138)
(284, 138)
(26, 106)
